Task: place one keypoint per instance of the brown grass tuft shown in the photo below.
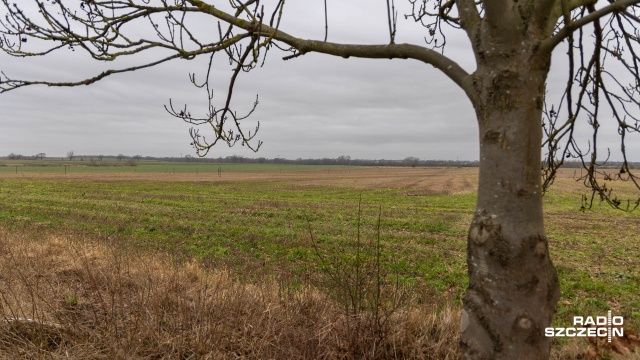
(62, 297)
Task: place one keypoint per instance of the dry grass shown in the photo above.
(63, 298)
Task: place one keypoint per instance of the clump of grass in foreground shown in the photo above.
(65, 298)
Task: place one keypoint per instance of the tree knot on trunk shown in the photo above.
(492, 137)
(526, 328)
(541, 247)
(486, 232)
(524, 194)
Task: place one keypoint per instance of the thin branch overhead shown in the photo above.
(602, 97)
(103, 30)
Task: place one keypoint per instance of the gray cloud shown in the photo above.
(312, 106)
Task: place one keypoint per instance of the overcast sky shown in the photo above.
(310, 107)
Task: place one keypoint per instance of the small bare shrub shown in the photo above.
(357, 280)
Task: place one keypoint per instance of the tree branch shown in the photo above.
(609, 38)
(544, 10)
(499, 15)
(615, 7)
(387, 51)
(8, 84)
(549, 11)
(469, 17)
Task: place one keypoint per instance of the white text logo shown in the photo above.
(590, 326)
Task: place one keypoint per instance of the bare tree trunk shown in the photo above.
(513, 286)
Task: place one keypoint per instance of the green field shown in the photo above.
(256, 228)
(251, 221)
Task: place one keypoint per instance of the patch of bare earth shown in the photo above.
(425, 181)
(572, 180)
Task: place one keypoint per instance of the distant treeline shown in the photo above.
(340, 160)
(236, 159)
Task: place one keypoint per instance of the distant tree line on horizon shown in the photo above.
(39, 156)
(237, 159)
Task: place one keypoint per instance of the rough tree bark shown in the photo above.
(513, 286)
